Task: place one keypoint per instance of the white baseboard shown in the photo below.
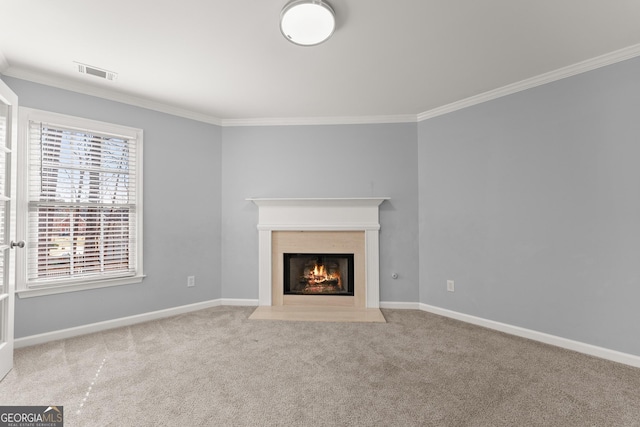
(592, 350)
(110, 324)
(239, 302)
(580, 347)
(400, 305)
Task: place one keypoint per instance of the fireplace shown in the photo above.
(326, 227)
(318, 274)
(314, 260)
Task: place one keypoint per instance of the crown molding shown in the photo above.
(552, 76)
(111, 95)
(85, 89)
(306, 121)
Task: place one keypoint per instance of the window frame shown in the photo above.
(27, 115)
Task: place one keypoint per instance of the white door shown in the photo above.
(8, 131)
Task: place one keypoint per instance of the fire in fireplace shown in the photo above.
(318, 274)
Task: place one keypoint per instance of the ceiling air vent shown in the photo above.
(98, 72)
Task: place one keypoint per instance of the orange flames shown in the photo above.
(319, 275)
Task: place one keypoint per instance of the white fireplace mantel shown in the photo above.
(319, 214)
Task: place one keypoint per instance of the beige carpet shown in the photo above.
(217, 368)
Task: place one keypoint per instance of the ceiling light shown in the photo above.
(307, 22)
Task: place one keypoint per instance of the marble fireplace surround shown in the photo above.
(319, 214)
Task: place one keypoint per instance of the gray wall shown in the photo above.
(321, 161)
(182, 192)
(531, 203)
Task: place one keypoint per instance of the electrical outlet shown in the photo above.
(191, 281)
(450, 286)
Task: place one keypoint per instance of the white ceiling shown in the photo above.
(226, 61)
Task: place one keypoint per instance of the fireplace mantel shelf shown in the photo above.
(318, 213)
(341, 201)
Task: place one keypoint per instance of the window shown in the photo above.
(82, 183)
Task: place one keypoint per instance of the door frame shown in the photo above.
(8, 97)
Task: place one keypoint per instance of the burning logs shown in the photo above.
(321, 280)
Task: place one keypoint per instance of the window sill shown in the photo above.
(73, 287)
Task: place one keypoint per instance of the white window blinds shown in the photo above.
(82, 205)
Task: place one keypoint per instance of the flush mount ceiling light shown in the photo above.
(307, 22)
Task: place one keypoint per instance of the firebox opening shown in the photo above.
(318, 274)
